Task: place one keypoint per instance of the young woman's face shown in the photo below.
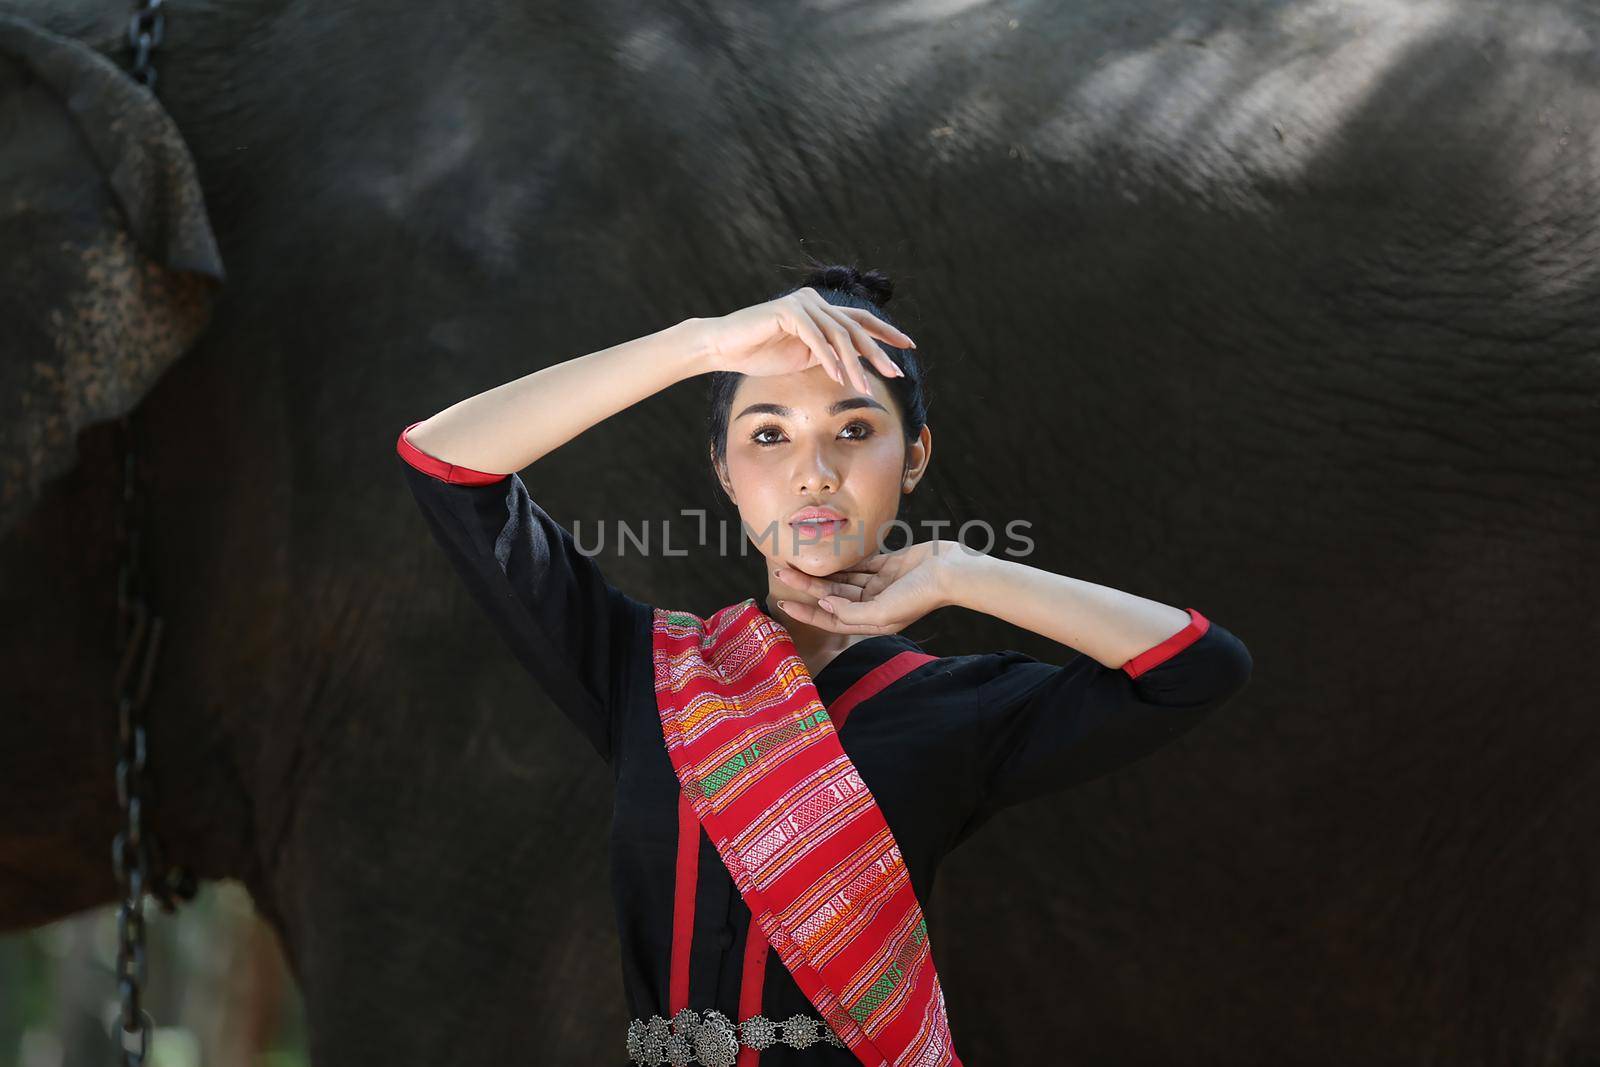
(802, 439)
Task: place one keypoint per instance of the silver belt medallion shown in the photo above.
(712, 1040)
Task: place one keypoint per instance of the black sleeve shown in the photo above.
(565, 623)
(1045, 728)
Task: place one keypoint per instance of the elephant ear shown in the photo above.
(108, 265)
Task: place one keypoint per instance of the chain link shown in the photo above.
(147, 28)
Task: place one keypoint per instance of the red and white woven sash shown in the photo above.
(799, 831)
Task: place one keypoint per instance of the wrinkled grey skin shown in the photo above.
(107, 254)
(1284, 311)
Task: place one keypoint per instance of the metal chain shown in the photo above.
(136, 857)
(147, 28)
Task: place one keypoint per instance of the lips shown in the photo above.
(821, 529)
(814, 512)
(815, 520)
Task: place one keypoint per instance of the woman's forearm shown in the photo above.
(504, 429)
(1105, 624)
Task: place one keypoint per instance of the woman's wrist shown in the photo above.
(961, 574)
(698, 338)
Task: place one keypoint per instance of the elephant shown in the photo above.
(1359, 227)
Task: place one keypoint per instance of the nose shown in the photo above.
(815, 474)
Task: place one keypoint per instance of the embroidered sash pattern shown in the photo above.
(799, 831)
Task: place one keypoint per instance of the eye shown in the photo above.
(865, 428)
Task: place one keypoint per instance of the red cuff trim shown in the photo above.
(438, 468)
(1158, 654)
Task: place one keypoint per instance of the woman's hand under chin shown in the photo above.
(882, 593)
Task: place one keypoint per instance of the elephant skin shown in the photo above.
(1283, 311)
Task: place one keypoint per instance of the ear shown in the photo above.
(918, 456)
(722, 477)
(108, 264)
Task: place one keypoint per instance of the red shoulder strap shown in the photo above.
(874, 681)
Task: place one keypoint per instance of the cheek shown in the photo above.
(877, 488)
(744, 475)
(881, 470)
(752, 485)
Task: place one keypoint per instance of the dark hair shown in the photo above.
(844, 286)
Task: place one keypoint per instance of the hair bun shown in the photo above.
(874, 286)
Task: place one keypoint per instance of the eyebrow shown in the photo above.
(847, 404)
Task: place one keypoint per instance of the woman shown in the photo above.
(791, 769)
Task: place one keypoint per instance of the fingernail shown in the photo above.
(784, 604)
(825, 606)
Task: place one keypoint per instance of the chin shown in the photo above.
(821, 562)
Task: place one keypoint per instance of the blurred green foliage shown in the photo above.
(217, 989)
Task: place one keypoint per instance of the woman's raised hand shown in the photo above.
(882, 593)
(802, 330)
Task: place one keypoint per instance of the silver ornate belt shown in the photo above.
(711, 1038)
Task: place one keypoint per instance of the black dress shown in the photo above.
(942, 748)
